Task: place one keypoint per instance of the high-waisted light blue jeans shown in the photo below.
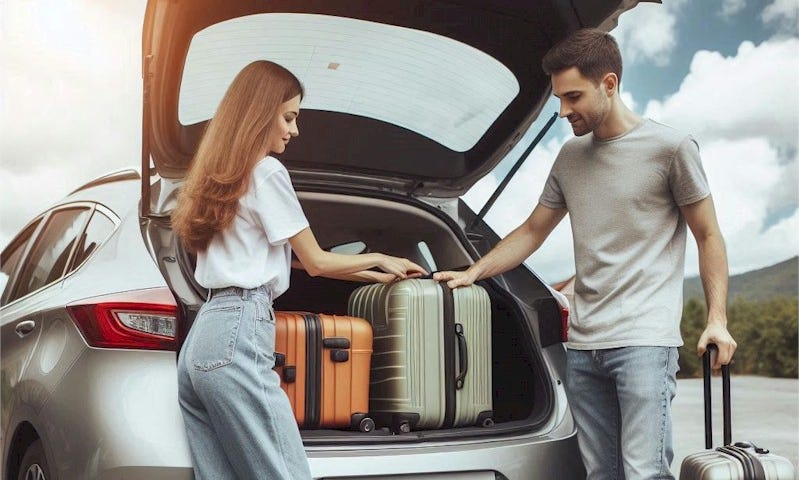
(238, 421)
(621, 401)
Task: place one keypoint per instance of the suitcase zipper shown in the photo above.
(313, 367)
(448, 304)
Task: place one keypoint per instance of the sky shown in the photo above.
(725, 71)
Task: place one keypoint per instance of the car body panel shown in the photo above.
(135, 424)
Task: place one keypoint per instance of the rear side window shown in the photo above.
(99, 228)
(11, 258)
(48, 259)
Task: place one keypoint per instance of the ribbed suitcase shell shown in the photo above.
(325, 370)
(715, 465)
(415, 359)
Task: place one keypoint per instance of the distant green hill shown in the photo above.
(774, 281)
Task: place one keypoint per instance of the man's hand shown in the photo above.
(456, 279)
(718, 334)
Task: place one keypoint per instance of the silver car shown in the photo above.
(408, 105)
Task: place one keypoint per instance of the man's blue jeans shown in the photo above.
(621, 401)
(238, 421)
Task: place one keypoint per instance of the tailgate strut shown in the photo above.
(146, 171)
(513, 171)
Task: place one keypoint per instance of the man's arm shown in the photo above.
(701, 219)
(511, 251)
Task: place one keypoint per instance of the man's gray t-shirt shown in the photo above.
(623, 196)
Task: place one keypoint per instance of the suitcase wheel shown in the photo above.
(404, 427)
(398, 422)
(485, 419)
(366, 425)
(362, 422)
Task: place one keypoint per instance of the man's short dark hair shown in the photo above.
(594, 52)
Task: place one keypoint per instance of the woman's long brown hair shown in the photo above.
(235, 140)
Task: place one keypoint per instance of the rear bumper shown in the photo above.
(517, 459)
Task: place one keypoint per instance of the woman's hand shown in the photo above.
(318, 262)
(373, 276)
(401, 268)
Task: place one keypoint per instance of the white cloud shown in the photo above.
(753, 93)
(649, 32)
(784, 15)
(28, 193)
(71, 100)
(731, 7)
(627, 99)
(744, 175)
(744, 111)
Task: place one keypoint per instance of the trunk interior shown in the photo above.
(349, 223)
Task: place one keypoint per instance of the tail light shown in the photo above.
(564, 323)
(139, 319)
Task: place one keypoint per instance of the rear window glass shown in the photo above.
(445, 90)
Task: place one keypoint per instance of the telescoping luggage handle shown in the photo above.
(726, 406)
(725, 393)
(753, 468)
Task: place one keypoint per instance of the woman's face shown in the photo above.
(285, 125)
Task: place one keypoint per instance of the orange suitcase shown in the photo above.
(323, 362)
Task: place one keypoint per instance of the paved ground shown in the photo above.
(765, 411)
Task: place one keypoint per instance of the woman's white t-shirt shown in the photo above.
(254, 249)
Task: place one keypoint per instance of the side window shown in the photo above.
(99, 228)
(11, 257)
(51, 252)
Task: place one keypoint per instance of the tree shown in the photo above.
(693, 322)
(767, 333)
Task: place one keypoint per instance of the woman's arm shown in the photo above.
(318, 262)
(369, 276)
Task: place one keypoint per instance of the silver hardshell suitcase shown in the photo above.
(431, 364)
(739, 461)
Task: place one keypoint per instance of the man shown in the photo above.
(630, 185)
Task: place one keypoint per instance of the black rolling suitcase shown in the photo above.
(739, 461)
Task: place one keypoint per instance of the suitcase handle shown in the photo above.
(429, 276)
(725, 392)
(463, 356)
(280, 359)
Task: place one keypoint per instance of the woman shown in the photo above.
(239, 213)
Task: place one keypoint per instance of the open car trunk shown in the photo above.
(522, 385)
